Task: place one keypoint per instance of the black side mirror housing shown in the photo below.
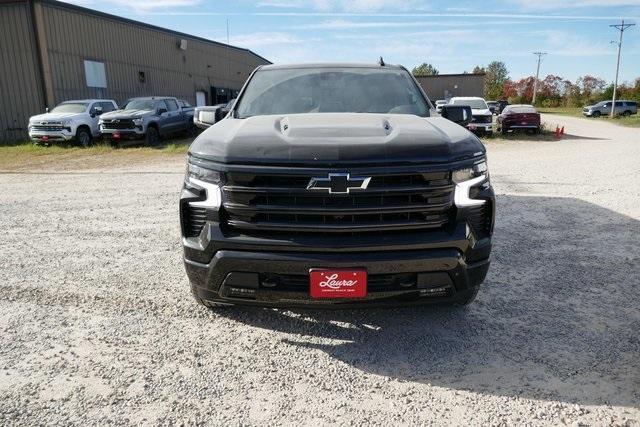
(161, 111)
(460, 114)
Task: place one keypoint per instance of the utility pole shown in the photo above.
(620, 28)
(535, 83)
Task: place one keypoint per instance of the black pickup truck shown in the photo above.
(336, 185)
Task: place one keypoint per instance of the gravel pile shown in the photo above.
(97, 325)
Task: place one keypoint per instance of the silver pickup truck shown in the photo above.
(148, 118)
(623, 108)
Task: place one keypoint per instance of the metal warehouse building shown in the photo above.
(52, 51)
(445, 86)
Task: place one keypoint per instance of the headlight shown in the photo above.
(137, 122)
(465, 180)
(202, 174)
(475, 171)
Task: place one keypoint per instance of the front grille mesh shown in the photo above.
(282, 203)
(120, 124)
(48, 128)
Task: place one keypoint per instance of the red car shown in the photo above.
(519, 116)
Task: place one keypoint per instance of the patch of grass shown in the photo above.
(26, 155)
(633, 121)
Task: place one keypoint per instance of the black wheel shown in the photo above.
(596, 114)
(83, 136)
(208, 304)
(504, 130)
(626, 113)
(152, 137)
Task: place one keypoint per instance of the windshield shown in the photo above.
(75, 107)
(476, 104)
(141, 104)
(331, 90)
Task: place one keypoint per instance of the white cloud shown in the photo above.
(260, 39)
(554, 4)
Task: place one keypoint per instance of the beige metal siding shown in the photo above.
(439, 86)
(126, 49)
(20, 87)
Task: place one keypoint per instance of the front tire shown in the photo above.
(596, 114)
(83, 136)
(152, 137)
(468, 297)
(504, 130)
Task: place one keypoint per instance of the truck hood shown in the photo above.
(54, 117)
(481, 112)
(336, 138)
(126, 114)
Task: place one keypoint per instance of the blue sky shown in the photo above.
(453, 35)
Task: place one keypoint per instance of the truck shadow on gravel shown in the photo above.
(557, 318)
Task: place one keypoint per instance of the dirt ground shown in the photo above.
(97, 325)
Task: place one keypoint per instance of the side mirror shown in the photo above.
(161, 111)
(207, 117)
(97, 111)
(460, 114)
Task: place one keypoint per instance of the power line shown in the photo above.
(620, 28)
(535, 83)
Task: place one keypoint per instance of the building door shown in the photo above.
(201, 99)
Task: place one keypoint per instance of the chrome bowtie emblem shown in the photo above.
(339, 183)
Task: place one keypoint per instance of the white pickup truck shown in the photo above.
(70, 120)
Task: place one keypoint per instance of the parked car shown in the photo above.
(494, 106)
(439, 104)
(482, 119)
(148, 118)
(519, 116)
(336, 185)
(71, 120)
(204, 116)
(623, 108)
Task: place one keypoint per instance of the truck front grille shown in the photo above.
(391, 202)
(481, 119)
(118, 124)
(49, 128)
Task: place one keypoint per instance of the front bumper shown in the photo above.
(487, 127)
(424, 267)
(51, 136)
(136, 133)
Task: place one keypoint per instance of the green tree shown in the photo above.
(478, 70)
(425, 69)
(495, 78)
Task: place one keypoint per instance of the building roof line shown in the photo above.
(94, 12)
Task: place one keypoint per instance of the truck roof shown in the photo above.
(87, 100)
(330, 65)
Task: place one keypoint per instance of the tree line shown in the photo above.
(553, 91)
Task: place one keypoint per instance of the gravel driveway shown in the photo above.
(97, 324)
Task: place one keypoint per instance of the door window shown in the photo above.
(172, 105)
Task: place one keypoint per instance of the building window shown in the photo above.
(95, 74)
(141, 77)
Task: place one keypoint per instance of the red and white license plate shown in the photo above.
(338, 283)
(472, 127)
(116, 135)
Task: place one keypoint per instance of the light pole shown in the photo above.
(535, 83)
(620, 28)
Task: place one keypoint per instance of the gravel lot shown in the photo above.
(97, 324)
